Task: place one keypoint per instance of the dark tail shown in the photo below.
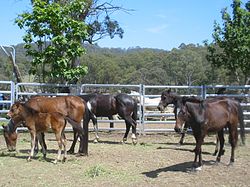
(242, 124)
(74, 124)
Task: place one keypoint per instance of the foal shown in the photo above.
(38, 122)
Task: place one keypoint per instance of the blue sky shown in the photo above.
(162, 24)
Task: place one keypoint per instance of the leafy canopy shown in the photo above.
(231, 46)
(57, 37)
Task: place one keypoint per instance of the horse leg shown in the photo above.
(75, 136)
(64, 142)
(222, 141)
(41, 140)
(199, 141)
(216, 146)
(126, 133)
(111, 125)
(133, 136)
(59, 141)
(183, 133)
(130, 122)
(33, 142)
(233, 138)
(94, 120)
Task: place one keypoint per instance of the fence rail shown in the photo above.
(147, 120)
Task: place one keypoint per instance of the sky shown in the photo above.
(161, 24)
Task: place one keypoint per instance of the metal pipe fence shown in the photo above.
(148, 120)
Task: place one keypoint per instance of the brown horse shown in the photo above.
(71, 106)
(38, 122)
(168, 97)
(10, 135)
(205, 116)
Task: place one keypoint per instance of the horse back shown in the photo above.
(71, 106)
(103, 105)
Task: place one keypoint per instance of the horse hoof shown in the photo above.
(81, 154)
(223, 151)
(95, 141)
(230, 164)
(134, 141)
(54, 162)
(64, 159)
(70, 152)
(28, 159)
(214, 154)
(198, 168)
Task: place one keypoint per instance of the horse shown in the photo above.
(71, 106)
(10, 135)
(168, 97)
(107, 105)
(38, 122)
(99, 107)
(205, 116)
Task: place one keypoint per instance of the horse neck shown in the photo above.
(197, 112)
(27, 112)
(177, 101)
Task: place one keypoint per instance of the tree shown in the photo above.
(231, 46)
(57, 37)
(59, 29)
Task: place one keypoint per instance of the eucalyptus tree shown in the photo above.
(231, 46)
(59, 28)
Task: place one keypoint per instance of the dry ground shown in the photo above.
(155, 161)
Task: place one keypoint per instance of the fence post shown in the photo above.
(204, 91)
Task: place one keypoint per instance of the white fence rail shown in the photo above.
(147, 120)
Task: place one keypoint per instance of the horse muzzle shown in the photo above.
(160, 108)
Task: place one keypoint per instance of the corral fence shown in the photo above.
(149, 118)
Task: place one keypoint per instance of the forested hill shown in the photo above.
(186, 65)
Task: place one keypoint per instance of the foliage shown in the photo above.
(58, 39)
(231, 46)
(145, 66)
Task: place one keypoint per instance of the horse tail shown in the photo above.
(74, 124)
(242, 124)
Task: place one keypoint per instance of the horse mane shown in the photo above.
(191, 99)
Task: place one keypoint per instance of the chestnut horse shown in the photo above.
(205, 116)
(10, 135)
(71, 106)
(38, 122)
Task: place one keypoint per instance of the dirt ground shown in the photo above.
(156, 160)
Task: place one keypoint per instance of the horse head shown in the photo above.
(167, 97)
(9, 133)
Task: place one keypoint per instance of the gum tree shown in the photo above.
(231, 46)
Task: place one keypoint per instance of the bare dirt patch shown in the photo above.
(156, 160)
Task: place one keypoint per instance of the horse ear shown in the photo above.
(169, 90)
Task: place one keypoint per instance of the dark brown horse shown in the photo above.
(38, 122)
(107, 105)
(71, 106)
(205, 116)
(169, 97)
